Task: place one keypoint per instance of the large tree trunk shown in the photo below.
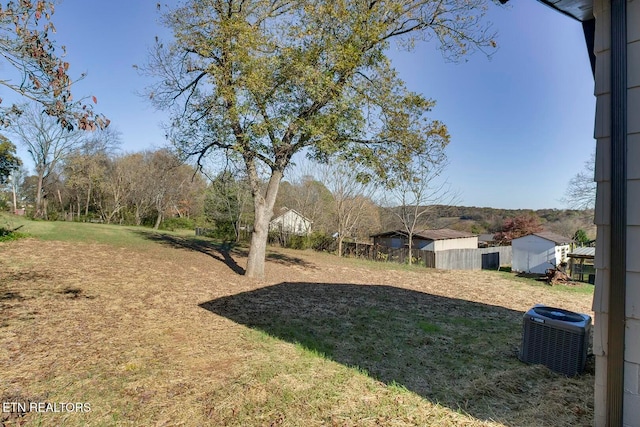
(159, 210)
(410, 248)
(236, 230)
(138, 216)
(258, 248)
(45, 204)
(263, 209)
(64, 214)
(86, 206)
(15, 196)
(340, 240)
(39, 212)
(158, 221)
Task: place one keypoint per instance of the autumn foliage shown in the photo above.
(40, 74)
(519, 226)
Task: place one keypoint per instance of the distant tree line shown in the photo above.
(141, 188)
(83, 176)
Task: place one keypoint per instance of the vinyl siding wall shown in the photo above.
(602, 49)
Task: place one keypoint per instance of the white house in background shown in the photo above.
(537, 252)
(292, 222)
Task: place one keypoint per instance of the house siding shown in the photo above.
(602, 133)
(631, 415)
(291, 222)
(389, 242)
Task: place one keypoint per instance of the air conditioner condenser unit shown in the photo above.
(556, 338)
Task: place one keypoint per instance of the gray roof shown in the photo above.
(553, 237)
(584, 252)
(443, 234)
(390, 233)
(439, 234)
(486, 237)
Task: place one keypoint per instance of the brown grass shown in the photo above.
(170, 334)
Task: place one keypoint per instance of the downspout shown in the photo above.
(616, 309)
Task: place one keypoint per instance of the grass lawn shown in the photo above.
(162, 329)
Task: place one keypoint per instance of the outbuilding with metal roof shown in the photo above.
(538, 252)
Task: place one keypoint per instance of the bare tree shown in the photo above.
(136, 177)
(117, 187)
(189, 197)
(581, 191)
(352, 198)
(85, 167)
(84, 176)
(414, 194)
(306, 194)
(168, 175)
(47, 143)
(105, 141)
(151, 183)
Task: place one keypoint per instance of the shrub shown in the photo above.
(223, 231)
(178, 224)
(320, 241)
(7, 234)
(298, 242)
(382, 256)
(54, 216)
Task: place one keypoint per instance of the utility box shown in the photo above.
(556, 338)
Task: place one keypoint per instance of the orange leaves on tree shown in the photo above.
(512, 228)
(39, 60)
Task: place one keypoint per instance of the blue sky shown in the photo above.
(521, 123)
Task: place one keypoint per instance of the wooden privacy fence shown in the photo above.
(454, 259)
(385, 254)
(474, 259)
(490, 258)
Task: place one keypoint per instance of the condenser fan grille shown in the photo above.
(558, 314)
(555, 338)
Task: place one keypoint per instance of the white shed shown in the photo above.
(537, 252)
(430, 240)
